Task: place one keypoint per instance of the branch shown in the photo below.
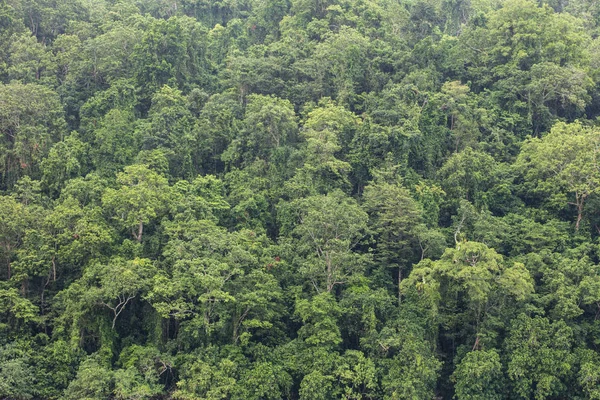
(458, 228)
(119, 307)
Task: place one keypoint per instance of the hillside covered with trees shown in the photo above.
(299, 199)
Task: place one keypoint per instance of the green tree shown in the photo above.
(464, 115)
(464, 284)
(411, 368)
(342, 58)
(530, 59)
(94, 381)
(15, 219)
(394, 218)
(319, 317)
(479, 376)
(16, 373)
(30, 61)
(208, 380)
(539, 357)
(141, 369)
(468, 175)
(31, 119)
(141, 198)
(120, 281)
(219, 123)
(65, 160)
(170, 52)
(215, 283)
(327, 229)
(256, 295)
(265, 380)
(169, 127)
(325, 128)
(116, 142)
(563, 163)
(269, 125)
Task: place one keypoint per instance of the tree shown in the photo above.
(94, 381)
(141, 198)
(109, 57)
(319, 316)
(170, 52)
(479, 376)
(31, 119)
(327, 229)
(219, 123)
(464, 115)
(141, 369)
(122, 281)
(30, 61)
(465, 281)
(256, 73)
(468, 175)
(265, 380)
(564, 162)
(15, 219)
(65, 160)
(112, 285)
(342, 58)
(269, 124)
(316, 386)
(325, 128)
(10, 24)
(116, 142)
(169, 127)
(409, 361)
(394, 218)
(16, 373)
(207, 379)
(16, 310)
(588, 377)
(539, 357)
(253, 199)
(530, 59)
(215, 283)
(121, 95)
(255, 307)
(201, 199)
(357, 374)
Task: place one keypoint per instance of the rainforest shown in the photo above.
(299, 199)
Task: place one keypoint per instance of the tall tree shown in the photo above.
(563, 163)
(141, 198)
(31, 119)
(328, 227)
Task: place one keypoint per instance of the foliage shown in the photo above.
(303, 199)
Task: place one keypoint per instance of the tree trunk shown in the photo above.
(8, 264)
(579, 216)
(579, 202)
(140, 231)
(330, 280)
(399, 281)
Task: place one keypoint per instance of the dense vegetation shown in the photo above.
(299, 199)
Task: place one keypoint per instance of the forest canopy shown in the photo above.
(299, 199)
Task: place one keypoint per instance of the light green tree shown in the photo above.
(327, 230)
(324, 130)
(141, 198)
(563, 163)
